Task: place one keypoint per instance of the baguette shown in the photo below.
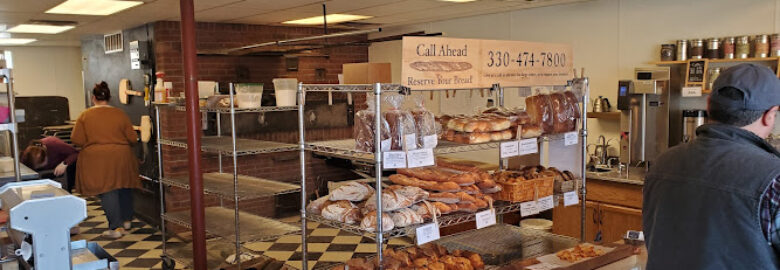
(472, 189)
(444, 197)
(404, 180)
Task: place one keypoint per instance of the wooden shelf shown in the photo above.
(605, 115)
(767, 59)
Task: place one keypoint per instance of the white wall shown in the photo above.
(49, 71)
(610, 37)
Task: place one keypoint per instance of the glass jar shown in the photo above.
(697, 49)
(667, 52)
(742, 48)
(712, 75)
(774, 43)
(682, 50)
(727, 48)
(713, 48)
(761, 46)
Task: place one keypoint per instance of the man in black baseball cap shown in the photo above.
(713, 203)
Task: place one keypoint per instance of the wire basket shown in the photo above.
(526, 190)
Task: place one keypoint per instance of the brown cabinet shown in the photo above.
(611, 208)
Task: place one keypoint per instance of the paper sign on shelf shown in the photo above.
(486, 218)
(427, 233)
(430, 141)
(393, 159)
(510, 149)
(570, 138)
(570, 198)
(385, 144)
(691, 91)
(545, 203)
(528, 208)
(420, 158)
(529, 146)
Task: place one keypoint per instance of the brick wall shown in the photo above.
(277, 166)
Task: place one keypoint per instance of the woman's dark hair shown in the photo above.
(34, 155)
(101, 92)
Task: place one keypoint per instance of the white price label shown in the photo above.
(427, 233)
(529, 146)
(570, 138)
(486, 218)
(420, 158)
(692, 91)
(543, 266)
(410, 141)
(510, 149)
(385, 144)
(528, 208)
(393, 159)
(430, 141)
(570, 198)
(545, 203)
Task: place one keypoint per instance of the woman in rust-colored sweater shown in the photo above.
(107, 166)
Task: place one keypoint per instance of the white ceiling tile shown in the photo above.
(28, 5)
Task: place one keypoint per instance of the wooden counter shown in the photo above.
(612, 208)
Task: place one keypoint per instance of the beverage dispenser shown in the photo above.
(644, 121)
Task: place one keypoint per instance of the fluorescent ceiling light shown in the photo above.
(92, 7)
(332, 18)
(40, 28)
(458, 1)
(16, 41)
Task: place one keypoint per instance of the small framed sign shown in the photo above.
(696, 72)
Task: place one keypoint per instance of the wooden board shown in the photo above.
(449, 63)
(628, 195)
(619, 252)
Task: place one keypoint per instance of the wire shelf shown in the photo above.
(501, 207)
(220, 221)
(242, 110)
(352, 87)
(248, 187)
(217, 251)
(346, 149)
(224, 145)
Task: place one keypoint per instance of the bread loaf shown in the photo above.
(353, 191)
(342, 211)
(369, 222)
(363, 129)
(561, 113)
(405, 217)
(316, 206)
(540, 112)
(401, 125)
(425, 125)
(573, 103)
(444, 197)
(530, 131)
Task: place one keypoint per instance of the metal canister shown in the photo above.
(682, 50)
(742, 47)
(713, 48)
(774, 43)
(697, 49)
(712, 76)
(761, 46)
(727, 48)
(667, 52)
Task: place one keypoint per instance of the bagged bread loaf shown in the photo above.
(425, 125)
(363, 130)
(561, 113)
(402, 128)
(540, 112)
(353, 191)
(573, 102)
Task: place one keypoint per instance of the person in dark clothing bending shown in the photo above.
(52, 153)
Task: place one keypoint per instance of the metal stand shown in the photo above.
(12, 127)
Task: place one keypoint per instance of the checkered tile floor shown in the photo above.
(141, 249)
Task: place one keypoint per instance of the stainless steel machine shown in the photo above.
(692, 119)
(40, 215)
(644, 122)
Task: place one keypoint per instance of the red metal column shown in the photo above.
(193, 133)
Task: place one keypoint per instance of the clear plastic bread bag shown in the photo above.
(363, 130)
(402, 130)
(425, 124)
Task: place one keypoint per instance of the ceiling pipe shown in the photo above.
(197, 210)
(286, 41)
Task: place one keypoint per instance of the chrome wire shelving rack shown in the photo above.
(345, 149)
(228, 228)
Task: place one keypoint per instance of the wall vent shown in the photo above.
(113, 43)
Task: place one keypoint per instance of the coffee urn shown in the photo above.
(692, 119)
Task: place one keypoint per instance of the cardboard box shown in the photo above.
(364, 73)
